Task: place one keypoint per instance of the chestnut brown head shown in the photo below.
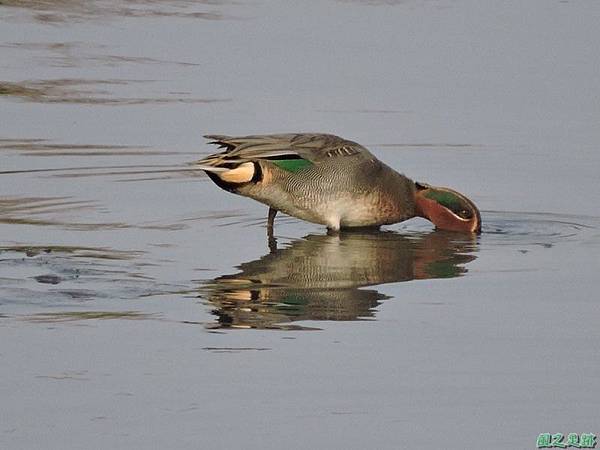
(447, 209)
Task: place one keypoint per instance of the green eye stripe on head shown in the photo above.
(451, 201)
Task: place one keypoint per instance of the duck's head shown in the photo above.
(447, 209)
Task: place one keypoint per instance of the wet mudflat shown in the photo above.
(142, 307)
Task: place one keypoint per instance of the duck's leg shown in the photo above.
(271, 220)
(271, 237)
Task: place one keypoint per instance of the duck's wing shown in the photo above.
(314, 148)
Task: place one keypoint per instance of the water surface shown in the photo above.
(140, 306)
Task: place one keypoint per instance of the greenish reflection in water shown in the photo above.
(320, 277)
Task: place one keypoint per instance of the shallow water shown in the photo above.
(140, 306)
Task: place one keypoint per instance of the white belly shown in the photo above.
(336, 213)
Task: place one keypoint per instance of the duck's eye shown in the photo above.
(465, 214)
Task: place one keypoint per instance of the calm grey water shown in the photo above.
(142, 307)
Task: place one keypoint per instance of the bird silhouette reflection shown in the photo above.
(323, 276)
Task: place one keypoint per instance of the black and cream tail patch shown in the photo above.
(241, 174)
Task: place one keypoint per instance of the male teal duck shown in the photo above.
(329, 180)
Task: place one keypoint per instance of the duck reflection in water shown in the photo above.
(321, 276)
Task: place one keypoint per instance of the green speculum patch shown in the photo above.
(291, 165)
(451, 201)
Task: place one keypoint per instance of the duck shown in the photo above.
(332, 181)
